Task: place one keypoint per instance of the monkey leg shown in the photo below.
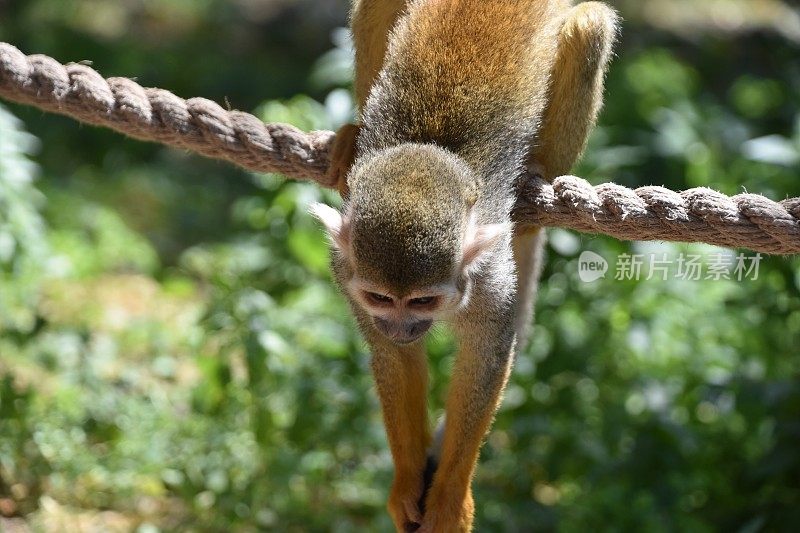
(528, 246)
(479, 376)
(401, 377)
(371, 22)
(576, 96)
(576, 89)
(342, 156)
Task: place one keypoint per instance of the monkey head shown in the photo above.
(408, 244)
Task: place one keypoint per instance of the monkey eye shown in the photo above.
(379, 299)
(423, 301)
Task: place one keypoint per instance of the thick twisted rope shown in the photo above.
(648, 213)
(197, 124)
(658, 214)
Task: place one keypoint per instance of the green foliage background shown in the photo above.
(174, 357)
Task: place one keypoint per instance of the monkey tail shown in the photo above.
(432, 461)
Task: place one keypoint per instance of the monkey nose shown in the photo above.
(417, 329)
(402, 332)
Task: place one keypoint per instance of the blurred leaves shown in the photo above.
(22, 247)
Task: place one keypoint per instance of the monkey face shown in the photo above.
(405, 318)
(405, 288)
(408, 241)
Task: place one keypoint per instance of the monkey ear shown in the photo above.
(336, 224)
(479, 240)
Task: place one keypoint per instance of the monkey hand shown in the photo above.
(404, 500)
(536, 170)
(445, 514)
(342, 155)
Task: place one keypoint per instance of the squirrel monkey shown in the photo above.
(457, 98)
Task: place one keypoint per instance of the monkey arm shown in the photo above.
(576, 90)
(401, 377)
(479, 376)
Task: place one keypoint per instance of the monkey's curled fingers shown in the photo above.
(343, 153)
(404, 502)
